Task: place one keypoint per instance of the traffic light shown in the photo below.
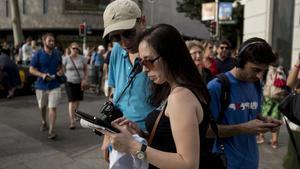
(82, 29)
(213, 28)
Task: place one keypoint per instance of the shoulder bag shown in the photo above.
(84, 84)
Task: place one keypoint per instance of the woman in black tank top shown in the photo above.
(179, 88)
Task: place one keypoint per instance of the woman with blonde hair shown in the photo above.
(197, 53)
(75, 66)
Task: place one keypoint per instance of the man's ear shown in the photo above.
(143, 20)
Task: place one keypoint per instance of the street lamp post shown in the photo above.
(217, 20)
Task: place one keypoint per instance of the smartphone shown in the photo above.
(89, 121)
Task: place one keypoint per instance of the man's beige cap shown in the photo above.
(120, 15)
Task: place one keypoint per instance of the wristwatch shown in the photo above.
(141, 155)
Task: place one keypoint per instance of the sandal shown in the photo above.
(51, 136)
(274, 144)
(260, 139)
(44, 127)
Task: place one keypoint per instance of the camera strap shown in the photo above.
(137, 68)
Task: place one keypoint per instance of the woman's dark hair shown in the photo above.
(255, 50)
(170, 46)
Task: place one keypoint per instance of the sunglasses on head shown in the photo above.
(149, 63)
(126, 34)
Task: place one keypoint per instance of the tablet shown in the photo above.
(93, 122)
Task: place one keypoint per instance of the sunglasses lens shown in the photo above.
(115, 38)
(128, 34)
(147, 64)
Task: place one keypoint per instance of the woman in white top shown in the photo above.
(76, 72)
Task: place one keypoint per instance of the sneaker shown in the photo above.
(43, 127)
(51, 136)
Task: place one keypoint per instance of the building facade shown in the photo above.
(63, 17)
(278, 22)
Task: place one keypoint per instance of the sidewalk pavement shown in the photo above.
(21, 151)
(28, 153)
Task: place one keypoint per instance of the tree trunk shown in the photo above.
(16, 22)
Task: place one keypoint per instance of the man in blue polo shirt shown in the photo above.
(123, 21)
(46, 64)
(241, 120)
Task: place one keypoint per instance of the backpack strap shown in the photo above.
(258, 87)
(225, 95)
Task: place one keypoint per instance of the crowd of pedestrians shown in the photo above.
(168, 90)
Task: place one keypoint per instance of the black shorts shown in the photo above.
(74, 91)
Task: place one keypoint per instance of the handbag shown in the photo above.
(209, 159)
(290, 107)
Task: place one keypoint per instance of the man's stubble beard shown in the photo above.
(49, 47)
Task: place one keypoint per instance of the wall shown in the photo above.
(257, 19)
(296, 33)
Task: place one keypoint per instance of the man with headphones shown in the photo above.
(240, 122)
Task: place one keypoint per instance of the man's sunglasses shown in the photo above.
(127, 34)
(149, 63)
(74, 48)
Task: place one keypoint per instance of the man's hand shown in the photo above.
(258, 126)
(278, 123)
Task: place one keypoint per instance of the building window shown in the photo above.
(24, 6)
(45, 6)
(85, 6)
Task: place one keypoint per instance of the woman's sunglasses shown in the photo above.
(149, 63)
(74, 48)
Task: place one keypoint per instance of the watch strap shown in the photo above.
(143, 147)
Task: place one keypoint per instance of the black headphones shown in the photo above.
(240, 62)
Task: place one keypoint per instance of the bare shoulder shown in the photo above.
(182, 100)
(179, 93)
(182, 96)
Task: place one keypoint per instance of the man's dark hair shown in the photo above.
(170, 46)
(44, 37)
(255, 50)
(225, 42)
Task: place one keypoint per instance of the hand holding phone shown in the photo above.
(49, 77)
